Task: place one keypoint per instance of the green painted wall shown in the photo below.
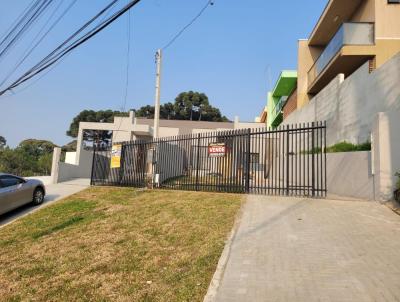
(284, 87)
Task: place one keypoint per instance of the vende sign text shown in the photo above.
(216, 150)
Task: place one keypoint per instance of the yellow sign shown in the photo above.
(116, 156)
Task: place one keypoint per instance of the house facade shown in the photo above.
(347, 35)
(280, 99)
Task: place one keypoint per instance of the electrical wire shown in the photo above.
(14, 26)
(12, 39)
(61, 51)
(174, 38)
(128, 54)
(18, 20)
(33, 47)
(45, 73)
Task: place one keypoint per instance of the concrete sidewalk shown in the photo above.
(288, 249)
(54, 192)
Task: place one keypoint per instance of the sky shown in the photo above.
(233, 53)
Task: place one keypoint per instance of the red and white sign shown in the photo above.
(216, 150)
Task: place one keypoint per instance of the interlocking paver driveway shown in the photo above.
(289, 249)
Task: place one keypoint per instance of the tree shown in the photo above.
(3, 142)
(36, 148)
(70, 147)
(102, 116)
(195, 106)
(187, 106)
(166, 111)
(31, 157)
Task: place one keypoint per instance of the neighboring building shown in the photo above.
(263, 116)
(347, 35)
(78, 164)
(280, 97)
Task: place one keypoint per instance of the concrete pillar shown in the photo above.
(55, 166)
(386, 147)
(132, 117)
(236, 122)
(79, 144)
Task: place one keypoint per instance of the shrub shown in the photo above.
(348, 147)
(341, 147)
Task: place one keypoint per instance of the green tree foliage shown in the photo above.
(193, 106)
(31, 157)
(167, 111)
(102, 116)
(190, 105)
(3, 142)
(70, 147)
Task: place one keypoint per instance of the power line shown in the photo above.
(174, 38)
(128, 53)
(32, 48)
(18, 20)
(63, 50)
(32, 16)
(14, 26)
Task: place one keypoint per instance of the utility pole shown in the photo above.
(157, 101)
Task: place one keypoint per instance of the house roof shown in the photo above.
(335, 13)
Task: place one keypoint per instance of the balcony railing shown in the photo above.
(278, 107)
(348, 34)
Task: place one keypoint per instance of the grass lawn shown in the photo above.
(113, 244)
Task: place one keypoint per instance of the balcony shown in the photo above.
(277, 111)
(348, 34)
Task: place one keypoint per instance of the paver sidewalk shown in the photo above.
(289, 249)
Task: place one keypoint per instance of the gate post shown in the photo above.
(93, 163)
(247, 187)
(197, 161)
(122, 164)
(312, 160)
(287, 159)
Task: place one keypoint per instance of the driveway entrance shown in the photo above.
(288, 249)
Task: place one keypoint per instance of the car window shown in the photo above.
(8, 181)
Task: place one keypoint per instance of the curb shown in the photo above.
(223, 260)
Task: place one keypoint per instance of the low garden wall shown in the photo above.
(349, 174)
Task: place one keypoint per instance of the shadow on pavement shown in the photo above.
(25, 209)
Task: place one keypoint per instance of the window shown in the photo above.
(8, 181)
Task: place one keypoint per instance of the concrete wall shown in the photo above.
(70, 158)
(349, 174)
(83, 169)
(350, 105)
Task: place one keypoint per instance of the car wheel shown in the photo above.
(38, 196)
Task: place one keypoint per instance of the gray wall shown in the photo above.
(349, 175)
(82, 170)
(350, 105)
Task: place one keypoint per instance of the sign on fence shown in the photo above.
(116, 156)
(216, 150)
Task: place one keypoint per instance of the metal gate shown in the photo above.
(289, 160)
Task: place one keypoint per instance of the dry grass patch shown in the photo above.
(113, 244)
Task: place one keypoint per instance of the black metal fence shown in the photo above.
(289, 160)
